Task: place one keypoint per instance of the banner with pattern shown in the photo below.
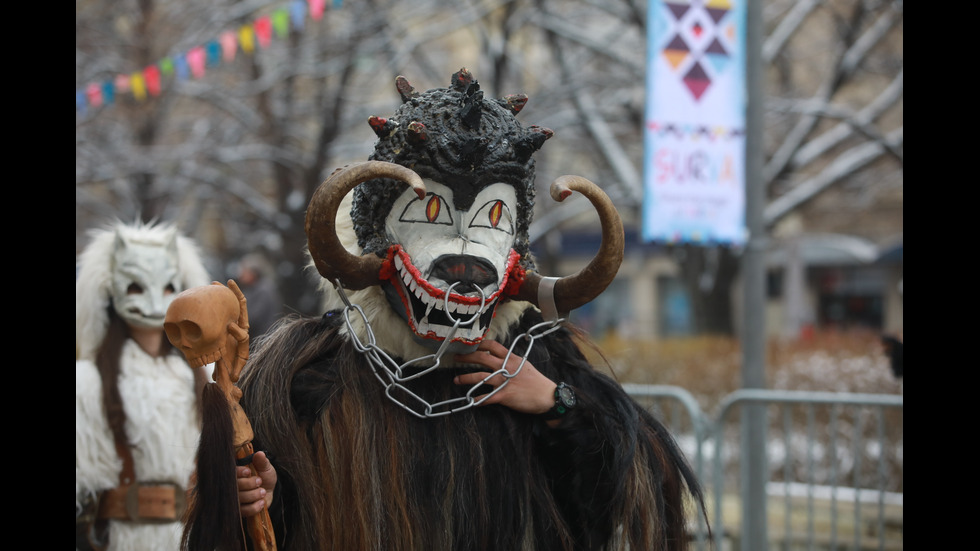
(694, 137)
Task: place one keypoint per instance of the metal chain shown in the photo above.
(390, 373)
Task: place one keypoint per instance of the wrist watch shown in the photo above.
(564, 401)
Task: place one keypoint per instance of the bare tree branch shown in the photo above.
(861, 121)
(787, 27)
(842, 166)
(832, 81)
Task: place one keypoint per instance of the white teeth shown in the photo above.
(457, 310)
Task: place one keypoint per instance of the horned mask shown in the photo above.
(442, 210)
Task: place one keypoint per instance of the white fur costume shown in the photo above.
(158, 393)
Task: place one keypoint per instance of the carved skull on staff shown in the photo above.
(210, 324)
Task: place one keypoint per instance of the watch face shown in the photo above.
(566, 396)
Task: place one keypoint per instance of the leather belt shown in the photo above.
(144, 502)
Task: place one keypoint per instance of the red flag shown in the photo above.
(94, 93)
(263, 30)
(316, 9)
(152, 77)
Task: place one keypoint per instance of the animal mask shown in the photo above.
(145, 276)
(441, 213)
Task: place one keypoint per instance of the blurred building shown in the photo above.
(815, 282)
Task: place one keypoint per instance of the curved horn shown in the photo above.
(332, 260)
(579, 289)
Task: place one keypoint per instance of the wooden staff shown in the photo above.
(210, 324)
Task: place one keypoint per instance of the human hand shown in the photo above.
(255, 492)
(528, 392)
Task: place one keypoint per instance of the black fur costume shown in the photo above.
(357, 472)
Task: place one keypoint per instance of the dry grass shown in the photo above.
(709, 367)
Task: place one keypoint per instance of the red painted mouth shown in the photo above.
(425, 305)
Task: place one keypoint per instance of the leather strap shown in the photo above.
(127, 475)
(546, 299)
(143, 503)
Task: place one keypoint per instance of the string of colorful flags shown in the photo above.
(194, 63)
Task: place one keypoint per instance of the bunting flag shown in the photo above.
(194, 62)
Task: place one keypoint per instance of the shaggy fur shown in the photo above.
(93, 283)
(358, 472)
(161, 421)
(151, 401)
(216, 524)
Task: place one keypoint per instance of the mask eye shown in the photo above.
(494, 215)
(169, 289)
(430, 210)
(134, 289)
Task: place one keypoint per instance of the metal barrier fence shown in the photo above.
(834, 464)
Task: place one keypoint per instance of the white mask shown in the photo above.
(144, 279)
(443, 245)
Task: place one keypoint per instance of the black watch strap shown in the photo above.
(565, 400)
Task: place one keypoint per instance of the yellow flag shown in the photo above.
(246, 39)
(138, 86)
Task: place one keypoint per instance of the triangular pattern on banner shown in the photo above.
(676, 51)
(697, 80)
(718, 62)
(677, 9)
(675, 57)
(716, 14)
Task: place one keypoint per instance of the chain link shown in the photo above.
(390, 373)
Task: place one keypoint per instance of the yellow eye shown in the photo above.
(495, 215)
(496, 211)
(432, 209)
